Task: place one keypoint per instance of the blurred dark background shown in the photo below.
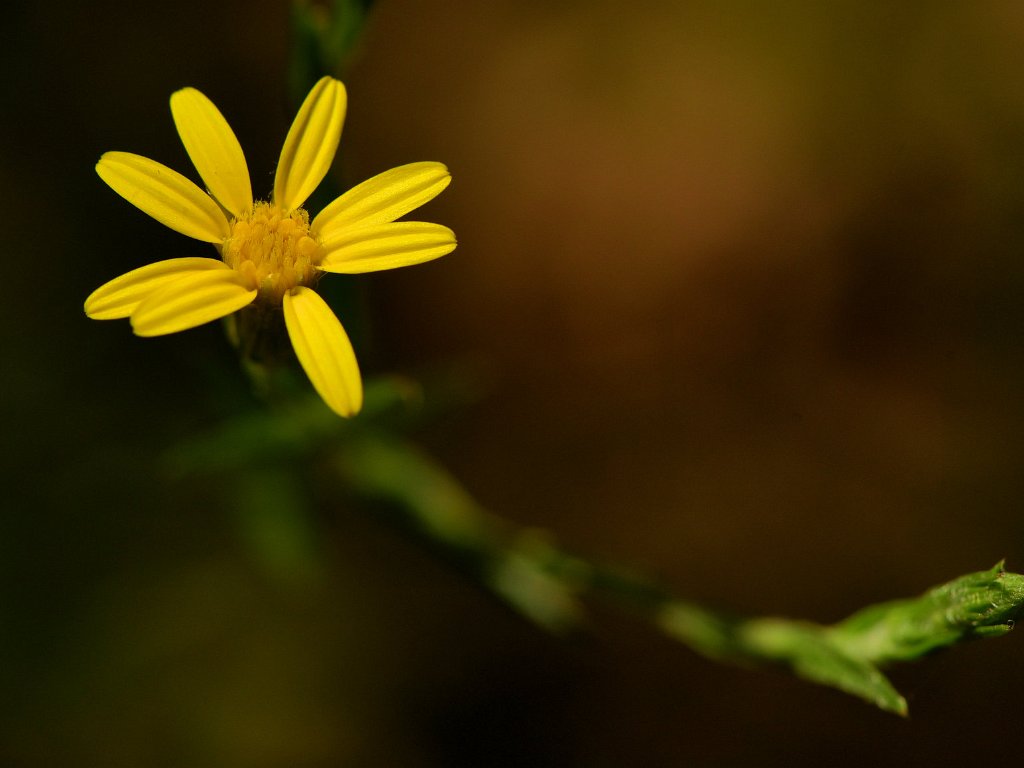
(746, 282)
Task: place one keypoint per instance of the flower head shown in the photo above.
(271, 253)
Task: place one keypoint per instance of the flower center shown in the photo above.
(273, 249)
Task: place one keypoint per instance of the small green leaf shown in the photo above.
(804, 648)
(812, 655)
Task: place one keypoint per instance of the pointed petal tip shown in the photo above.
(104, 160)
(327, 81)
(177, 95)
(94, 311)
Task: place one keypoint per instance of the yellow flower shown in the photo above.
(271, 254)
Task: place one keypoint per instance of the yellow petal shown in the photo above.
(323, 350)
(214, 150)
(191, 300)
(310, 144)
(384, 197)
(164, 194)
(120, 297)
(386, 246)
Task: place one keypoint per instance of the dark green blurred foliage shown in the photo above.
(325, 36)
(746, 281)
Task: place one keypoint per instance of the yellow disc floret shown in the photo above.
(274, 250)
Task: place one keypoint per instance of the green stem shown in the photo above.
(526, 569)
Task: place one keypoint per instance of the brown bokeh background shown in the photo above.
(744, 289)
